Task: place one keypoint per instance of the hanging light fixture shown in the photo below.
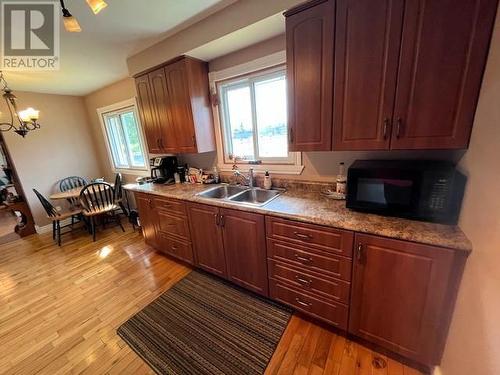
(70, 23)
(96, 5)
(27, 119)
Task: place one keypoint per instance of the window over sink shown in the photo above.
(124, 139)
(251, 117)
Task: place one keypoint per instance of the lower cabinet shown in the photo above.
(230, 243)
(207, 238)
(403, 295)
(147, 217)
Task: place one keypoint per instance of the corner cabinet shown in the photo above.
(403, 295)
(175, 109)
(406, 74)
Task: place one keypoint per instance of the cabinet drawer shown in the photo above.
(333, 313)
(172, 207)
(335, 290)
(328, 239)
(307, 259)
(179, 249)
(173, 225)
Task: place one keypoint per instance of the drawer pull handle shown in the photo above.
(303, 236)
(303, 259)
(174, 247)
(305, 304)
(304, 282)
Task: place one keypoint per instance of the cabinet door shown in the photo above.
(206, 237)
(309, 44)
(180, 99)
(443, 53)
(148, 113)
(161, 102)
(147, 216)
(245, 247)
(367, 39)
(402, 296)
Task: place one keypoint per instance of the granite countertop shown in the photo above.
(312, 207)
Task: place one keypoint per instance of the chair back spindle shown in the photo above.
(49, 208)
(97, 197)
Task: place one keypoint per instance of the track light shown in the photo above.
(96, 5)
(70, 22)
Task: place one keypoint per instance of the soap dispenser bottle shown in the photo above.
(267, 181)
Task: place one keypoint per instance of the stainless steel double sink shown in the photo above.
(241, 194)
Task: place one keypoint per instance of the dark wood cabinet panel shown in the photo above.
(206, 236)
(147, 216)
(367, 39)
(333, 313)
(182, 117)
(161, 103)
(309, 43)
(245, 248)
(172, 225)
(174, 247)
(443, 52)
(331, 240)
(147, 111)
(174, 102)
(403, 294)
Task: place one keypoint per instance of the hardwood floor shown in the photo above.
(60, 308)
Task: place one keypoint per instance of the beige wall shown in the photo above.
(117, 92)
(473, 345)
(62, 147)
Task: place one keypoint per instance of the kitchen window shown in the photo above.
(252, 116)
(124, 139)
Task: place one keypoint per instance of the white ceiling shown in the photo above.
(97, 56)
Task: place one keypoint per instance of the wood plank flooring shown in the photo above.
(60, 308)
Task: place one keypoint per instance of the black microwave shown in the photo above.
(414, 189)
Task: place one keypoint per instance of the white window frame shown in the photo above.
(268, 65)
(124, 106)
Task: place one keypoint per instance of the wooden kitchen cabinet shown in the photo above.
(309, 50)
(148, 113)
(206, 235)
(367, 43)
(244, 238)
(147, 216)
(175, 107)
(406, 74)
(443, 54)
(403, 294)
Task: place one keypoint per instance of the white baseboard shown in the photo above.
(48, 228)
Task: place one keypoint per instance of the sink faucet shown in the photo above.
(248, 180)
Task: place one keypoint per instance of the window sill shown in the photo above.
(134, 172)
(262, 168)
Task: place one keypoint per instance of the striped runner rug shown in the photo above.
(204, 325)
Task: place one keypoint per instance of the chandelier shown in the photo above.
(26, 120)
(71, 23)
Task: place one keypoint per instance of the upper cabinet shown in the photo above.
(175, 108)
(406, 74)
(309, 50)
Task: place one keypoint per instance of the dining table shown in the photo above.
(69, 194)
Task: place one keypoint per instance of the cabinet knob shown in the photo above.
(387, 123)
(290, 135)
(305, 304)
(194, 141)
(222, 220)
(303, 259)
(359, 252)
(217, 219)
(399, 125)
(303, 236)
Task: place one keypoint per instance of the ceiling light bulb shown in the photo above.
(96, 5)
(24, 116)
(71, 24)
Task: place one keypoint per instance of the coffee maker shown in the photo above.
(163, 169)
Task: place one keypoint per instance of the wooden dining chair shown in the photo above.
(98, 200)
(69, 183)
(56, 216)
(118, 197)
